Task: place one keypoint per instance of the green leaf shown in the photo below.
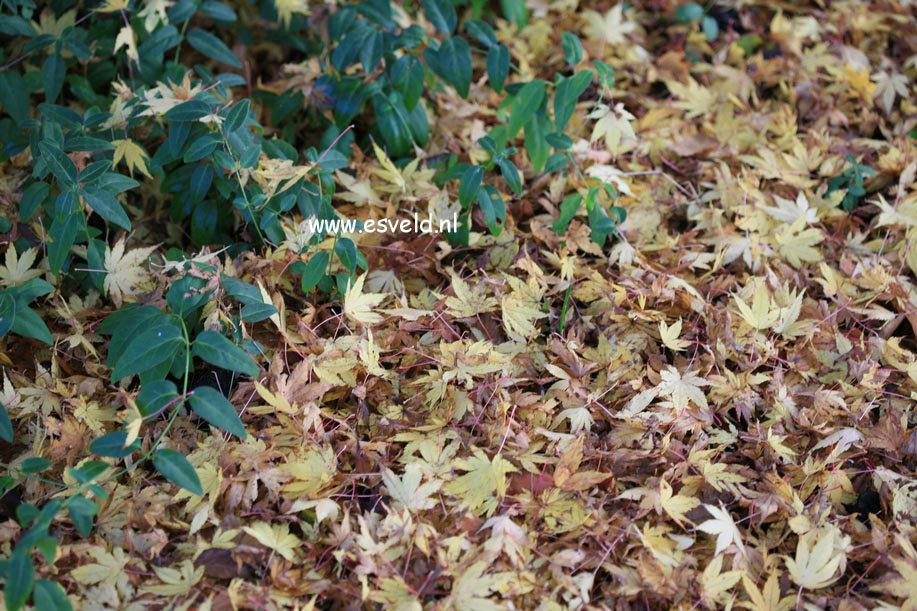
(452, 63)
(525, 104)
(34, 464)
(710, 28)
(61, 166)
(7, 313)
(572, 47)
(606, 73)
(568, 209)
(20, 579)
(52, 76)
(515, 11)
(192, 110)
(535, 144)
(237, 116)
(498, 66)
(111, 445)
(441, 13)
(567, 95)
(314, 270)
(29, 324)
(82, 512)
(688, 12)
(512, 175)
(494, 209)
(49, 596)
(371, 49)
(256, 312)
(392, 121)
(218, 11)
(88, 471)
(482, 32)
(470, 185)
(219, 351)
(151, 347)
(201, 147)
(107, 206)
(407, 79)
(176, 468)
(14, 95)
(6, 425)
(154, 396)
(212, 47)
(216, 409)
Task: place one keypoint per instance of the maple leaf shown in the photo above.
(484, 482)
(715, 582)
(682, 389)
(155, 12)
(388, 172)
(132, 154)
(888, 87)
(615, 127)
(610, 28)
(522, 307)
(693, 98)
(395, 594)
(176, 582)
(358, 306)
(723, 526)
(761, 315)
(797, 244)
(471, 590)
(767, 599)
(276, 537)
(676, 505)
(18, 269)
(904, 584)
(287, 8)
(126, 39)
(817, 559)
(407, 491)
(127, 274)
(468, 301)
(670, 336)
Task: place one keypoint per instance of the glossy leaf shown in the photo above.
(216, 409)
(176, 468)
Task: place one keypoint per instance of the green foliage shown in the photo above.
(692, 12)
(132, 121)
(851, 181)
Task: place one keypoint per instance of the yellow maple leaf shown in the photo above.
(132, 154)
(388, 172)
(610, 28)
(113, 6)
(358, 306)
(128, 274)
(468, 301)
(694, 98)
(18, 269)
(176, 582)
(676, 505)
(817, 559)
(859, 82)
(276, 537)
(670, 335)
(484, 482)
(615, 126)
(287, 8)
(407, 491)
(126, 39)
(761, 315)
